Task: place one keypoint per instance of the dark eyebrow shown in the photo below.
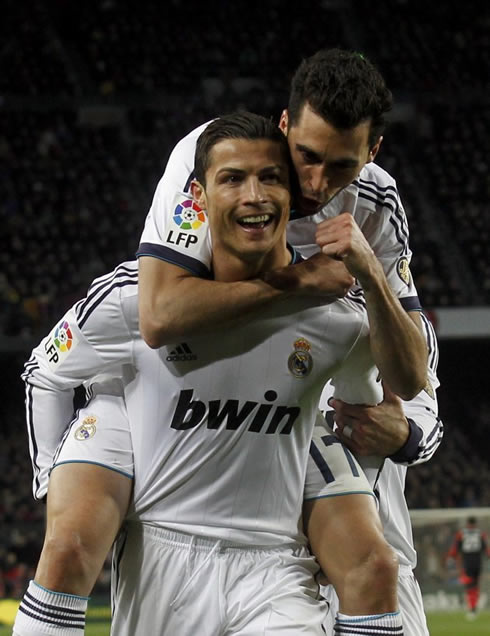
(275, 167)
(311, 152)
(343, 162)
(230, 171)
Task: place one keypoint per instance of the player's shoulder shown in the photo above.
(373, 174)
(107, 293)
(123, 275)
(184, 150)
(191, 138)
(376, 185)
(179, 170)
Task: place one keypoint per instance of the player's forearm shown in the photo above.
(194, 304)
(398, 346)
(48, 413)
(173, 305)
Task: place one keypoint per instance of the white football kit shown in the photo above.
(221, 430)
(182, 238)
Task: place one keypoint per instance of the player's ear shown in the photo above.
(283, 122)
(198, 194)
(374, 150)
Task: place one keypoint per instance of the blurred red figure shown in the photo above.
(469, 545)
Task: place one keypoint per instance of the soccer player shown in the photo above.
(200, 457)
(334, 124)
(469, 547)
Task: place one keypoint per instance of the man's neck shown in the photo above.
(231, 267)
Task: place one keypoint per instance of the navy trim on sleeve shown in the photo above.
(173, 257)
(411, 303)
(187, 186)
(410, 449)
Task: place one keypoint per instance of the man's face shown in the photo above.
(246, 196)
(326, 159)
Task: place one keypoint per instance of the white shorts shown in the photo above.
(170, 584)
(409, 601)
(411, 604)
(332, 469)
(99, 434)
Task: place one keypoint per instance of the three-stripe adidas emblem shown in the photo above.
(53, 615)
(181, 353)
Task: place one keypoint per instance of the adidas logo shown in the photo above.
(181, 353)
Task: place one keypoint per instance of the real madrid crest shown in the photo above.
(403, 269)
(87, 428)
(300, 362)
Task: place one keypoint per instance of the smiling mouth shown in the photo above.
(256, 222)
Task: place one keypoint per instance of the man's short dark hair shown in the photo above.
(239, 125)
(344, 88)
(471, 521)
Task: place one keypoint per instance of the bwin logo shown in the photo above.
(258, 417)
(182, 353)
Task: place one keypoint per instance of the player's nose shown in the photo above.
(318, 181)
(254, 191)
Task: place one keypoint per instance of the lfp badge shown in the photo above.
(63, 337)
(60, 344)
(188, 215)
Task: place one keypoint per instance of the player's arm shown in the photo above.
(455, 549)
(92, 337)
(397, 342)
(406, 432)
(174, 303)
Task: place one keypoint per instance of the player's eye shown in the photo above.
(271, 178)
(309, 157)
(232, 178)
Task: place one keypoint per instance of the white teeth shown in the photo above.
(256, 219)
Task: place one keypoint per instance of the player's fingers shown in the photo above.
(325, 238)
(334, 251)
(349, 413)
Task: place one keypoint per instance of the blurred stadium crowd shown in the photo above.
(93, 96)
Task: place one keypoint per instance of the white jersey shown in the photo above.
(221, 426)
(176, 230)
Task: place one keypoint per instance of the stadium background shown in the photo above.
(93, 96)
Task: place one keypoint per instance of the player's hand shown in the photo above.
(372, 430)
(340, 237)
(318, 276)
